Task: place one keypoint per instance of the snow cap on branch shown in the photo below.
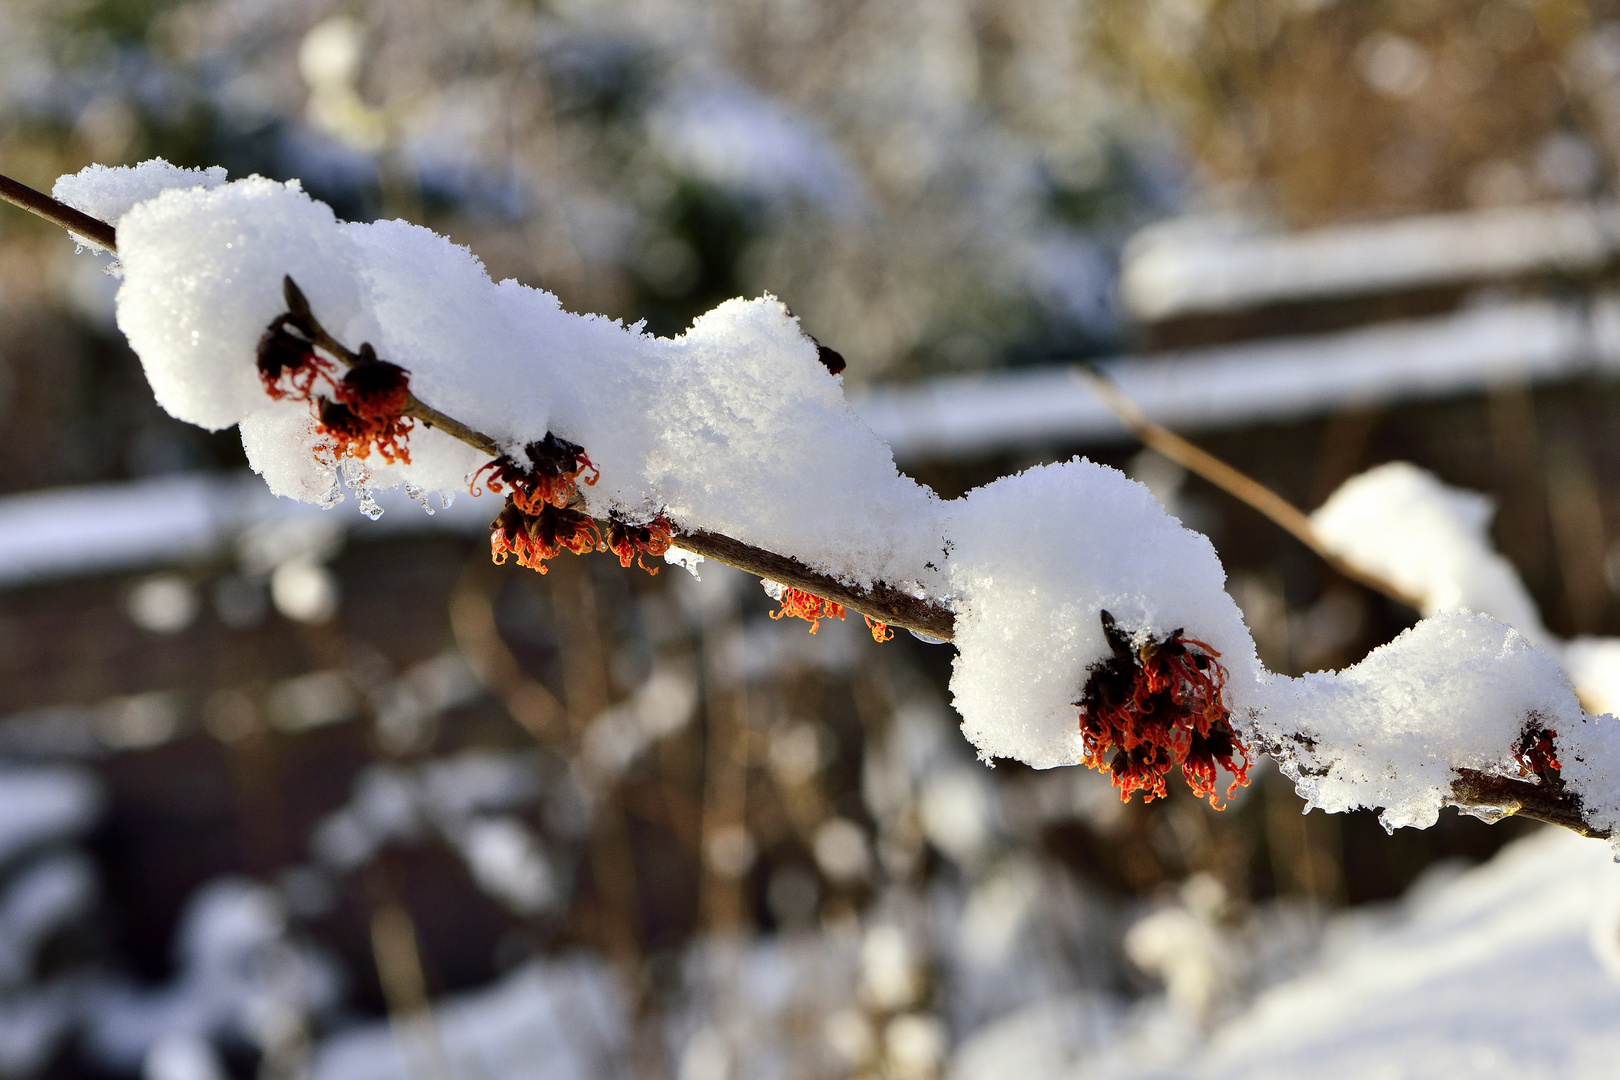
(1430, 540)
(1457, 690)
(1036, 559)
(108, 193)
(739, 427)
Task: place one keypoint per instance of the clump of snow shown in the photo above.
(286, 447)
(202, 280)
(1432, 541)
(741, 429)
(1036, 559)
(108, 193)
(1455, 691)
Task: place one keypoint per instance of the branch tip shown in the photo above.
(59, 213)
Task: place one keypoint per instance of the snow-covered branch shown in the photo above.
(1090, 626)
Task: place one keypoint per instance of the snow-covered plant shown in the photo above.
(1090, 626)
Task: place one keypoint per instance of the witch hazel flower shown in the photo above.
(1535, 753)
(534, 538)
(288, 363)
(552, 477)
(635, 543)
(798, 604)
(1157, 704)
(365, 411)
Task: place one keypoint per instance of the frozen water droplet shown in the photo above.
(927, 638)
(419, 497)
(1490, 815)
(358, 476)
(331, 496)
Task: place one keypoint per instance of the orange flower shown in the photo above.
(534, 538)
(288, 363)
(556, 468)
(355, 435)
(880, 631)
(635, 542)
(369, 411)
(807, 606)
(367, 408)
(1155, 706)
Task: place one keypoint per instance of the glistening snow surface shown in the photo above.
(109, 193)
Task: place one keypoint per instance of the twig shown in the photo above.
(399, 970)
(882, 602)
(1550, 803)
(74, 221)
(1240, 486)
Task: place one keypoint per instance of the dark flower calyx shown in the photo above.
(831, 359)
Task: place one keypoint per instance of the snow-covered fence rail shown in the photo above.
(1090, 626)
(1517, 343)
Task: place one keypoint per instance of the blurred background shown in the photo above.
(290, 793)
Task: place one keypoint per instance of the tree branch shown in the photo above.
(74, 221)
(882, 602)
(1550, 802)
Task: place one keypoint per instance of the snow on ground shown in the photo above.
(1509, 970)
(560, 1020)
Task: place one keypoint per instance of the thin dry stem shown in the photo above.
(1553, 804)
(1240, 486)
